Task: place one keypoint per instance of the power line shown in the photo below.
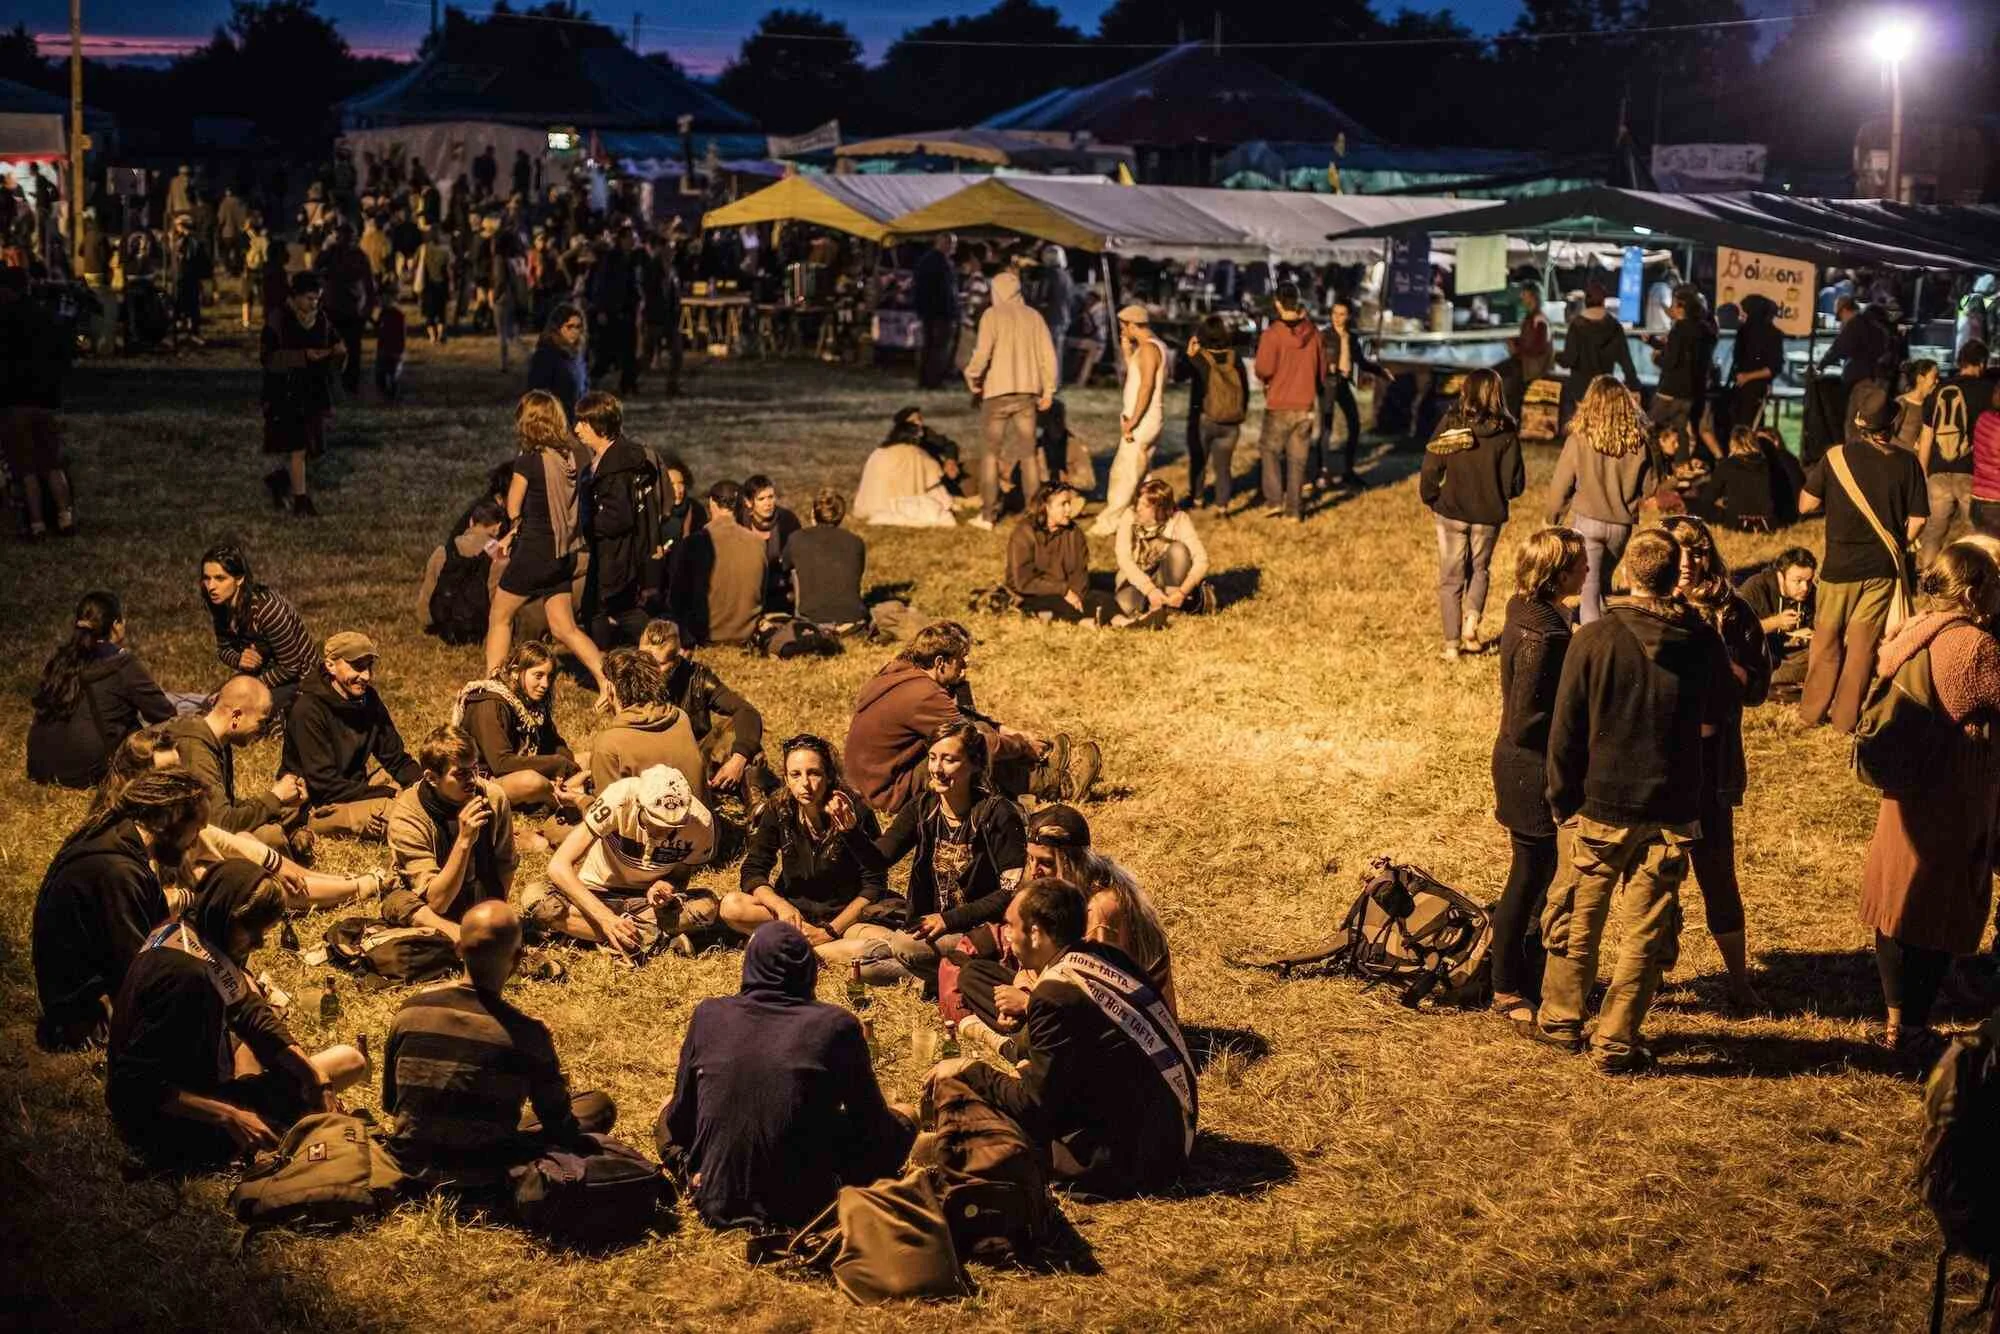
(1579, 34)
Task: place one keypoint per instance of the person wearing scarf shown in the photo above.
(1108, 1089)
(775, 1105)
(452, 836)
(201, 1069)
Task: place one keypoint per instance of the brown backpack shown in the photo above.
(994, 1187)
(884, 1242)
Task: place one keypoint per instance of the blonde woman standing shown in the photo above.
(1606, 471)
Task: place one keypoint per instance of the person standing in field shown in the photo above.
(298, 343)
(1291, 363)
(936, 298)
(1140, 422)
(1606, 471)
(1472, 468)
(1013, 374)
(1346, 361)
(1219, 394)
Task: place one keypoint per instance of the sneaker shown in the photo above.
(1046, 783)
(303, 508)
(301, 842)
(1275, 512)
(683, 945)
(544, 919)
(1533, 1031)
(1156, 619)
(1086, 761)
(1634, 1060)
(1353, 481)
(981, 522)
(975, 1034)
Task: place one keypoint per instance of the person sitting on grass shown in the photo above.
(451, 834)
(257, 632)
(1162, 564)
(101, 896)
(620, 878)
(94, 693)
(909, 426)
(733, 747)
(1048, 562)
(1782, 595)
(825, 564)
(966, 844)
(718, 575)
(207, 744)
(1108, 1089)
(456, 594)
(201, 1068)
(759, 512)
(922, 689)
(903, 486)
(336, 726)
(512, 719)
(461, 1061)
(775, 1103)
(644, 730)
(810, 860)
(1739, 492)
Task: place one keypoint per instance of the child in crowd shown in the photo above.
(390, 341)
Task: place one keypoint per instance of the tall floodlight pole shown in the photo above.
(77, 141)
(1894, 39)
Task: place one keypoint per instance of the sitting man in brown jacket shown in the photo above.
(451, 834)
(718, 575)
(645, 729)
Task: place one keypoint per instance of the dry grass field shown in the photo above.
(1361, 1167)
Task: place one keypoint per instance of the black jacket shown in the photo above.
(934, 291)
(996, 842)
(118, 696)
(1684, 363)
(1473, 485)
(98, 900)
(1723, 766)
(1625, 744)
(329, 741)
(781, 854)
(1092, 1091)
(1532, 647)
(775, 1103)
(695, 689)
(35, 355)
(622, 491)
(1594, 347)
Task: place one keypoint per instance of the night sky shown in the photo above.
(700, 37)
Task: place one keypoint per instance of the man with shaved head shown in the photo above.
(460, 1062)
(207, 744)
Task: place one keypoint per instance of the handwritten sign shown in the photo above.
(1693, 168)
(1789, 283)
(1409, 276)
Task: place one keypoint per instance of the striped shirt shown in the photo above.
(459, 1064)
(275, 631)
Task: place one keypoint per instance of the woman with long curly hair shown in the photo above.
(1472, 469)
(94, 693)
(556, 366)
(1705, 587)
(1607, 469)
(546, 535)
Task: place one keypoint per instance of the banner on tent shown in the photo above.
(1482, 264)
(1409, 277)
(822, 140)
(1788, 282)
(1632, 285)
(1694, 168)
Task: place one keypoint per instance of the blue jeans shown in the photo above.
(1465, 552)
(1603, 547)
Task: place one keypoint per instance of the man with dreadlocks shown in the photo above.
(100, 897)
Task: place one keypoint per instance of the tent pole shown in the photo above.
(1382, 292)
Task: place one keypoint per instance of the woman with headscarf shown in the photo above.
(775, 1104)
(1606, 470)
(201, 1069)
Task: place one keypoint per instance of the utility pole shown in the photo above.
(1896, 130)
(77, 139)
(1218, 31)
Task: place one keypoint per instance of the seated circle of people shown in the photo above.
(775, 1103)
(1107, 1088)
(924, 688)
(645, 728)
(93, 693)
(727, 727)
(966, 843)
(102, 896)
(257, 632)
(620, 878)
(1162, 564)
(823, 566)
(1048, 561)
(451, 836)
(336, 727)
(810, 860)
(207, 744)
(718, 576)
(200, 1067)
(1782, 595)
(460, 1063)
(511, 718)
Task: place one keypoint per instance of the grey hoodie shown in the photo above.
(1014, 353)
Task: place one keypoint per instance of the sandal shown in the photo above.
(1516, 1010)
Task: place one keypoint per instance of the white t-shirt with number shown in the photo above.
(631, 855)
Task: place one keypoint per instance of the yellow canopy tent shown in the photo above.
(1089, 214)
(859, 205)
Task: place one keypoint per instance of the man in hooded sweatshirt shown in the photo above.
(1641, 686)
(775, 1104)
(335, 727)
(646, 728)
(1594, 345)
(1014, 375)
(1292, 364)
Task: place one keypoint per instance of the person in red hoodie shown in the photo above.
(1291, 362)
(922, 689)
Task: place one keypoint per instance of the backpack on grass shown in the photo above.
(1406, 930)
(386, 954)
(1958, 1160)
(783, 636)
(885, 1242)
(591, 1196)
(328, 1172)
(995, 1192)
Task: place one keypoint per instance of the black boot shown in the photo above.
(303, 507)
(279, 485)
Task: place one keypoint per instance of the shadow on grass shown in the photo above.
(1744, 1055)
(1210, 1044)
(1223, 1166)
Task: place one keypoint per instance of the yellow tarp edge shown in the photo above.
(996, 205)
(795, 199)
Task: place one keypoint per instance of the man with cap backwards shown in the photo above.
(335, 726)
(1139, 424)
(620, 878)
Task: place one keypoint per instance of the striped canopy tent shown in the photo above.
(858, 205)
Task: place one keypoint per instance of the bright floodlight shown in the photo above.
(1895, 36)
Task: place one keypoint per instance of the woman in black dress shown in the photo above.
(1549, 579)
(547, 533)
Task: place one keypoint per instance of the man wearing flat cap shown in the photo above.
(336, 727)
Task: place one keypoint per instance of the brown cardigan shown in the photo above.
(1043, 564)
